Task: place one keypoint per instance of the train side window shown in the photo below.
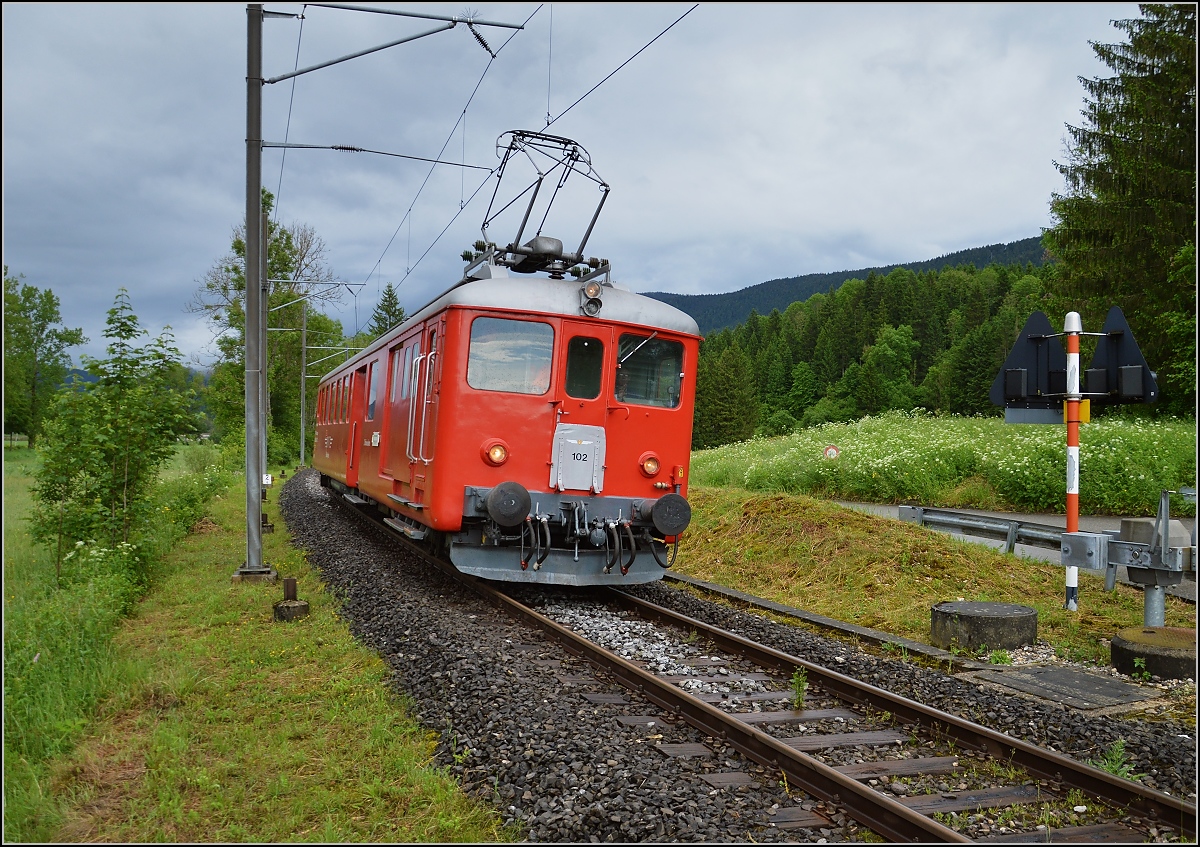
(321, 406)
(409, 354)
(510, 355)
(650, 372)
(585, 364)
(374, 373)
(396, 376)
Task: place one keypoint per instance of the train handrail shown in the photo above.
(425, 403)
(414, 379)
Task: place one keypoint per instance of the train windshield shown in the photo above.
(650, 372)
(509, 355)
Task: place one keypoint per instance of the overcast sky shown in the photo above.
(750, 142)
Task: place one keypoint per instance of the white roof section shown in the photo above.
(539, 295)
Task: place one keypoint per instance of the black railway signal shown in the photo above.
(1032, 384)
(1119, 373)
(1033, 380)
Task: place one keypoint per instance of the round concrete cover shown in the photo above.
(1168, 652)
(972, 625)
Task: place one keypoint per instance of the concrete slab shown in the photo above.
(1071, 687)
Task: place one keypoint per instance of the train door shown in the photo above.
(358, 391)
(578, 447)
(391, 460)
(372, 422)
(423, 411)
(406, 361)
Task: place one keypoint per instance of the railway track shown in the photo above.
(935, 745)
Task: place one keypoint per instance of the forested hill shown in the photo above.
(717, 311)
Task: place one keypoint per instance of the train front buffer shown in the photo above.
(567, 538)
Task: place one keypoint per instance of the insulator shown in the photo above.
(479, 38)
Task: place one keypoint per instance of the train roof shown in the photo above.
(543, 296)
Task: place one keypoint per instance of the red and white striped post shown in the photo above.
(1072, 328)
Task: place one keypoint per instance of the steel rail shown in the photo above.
(880, 813)
(1045, 764)
(883, 815)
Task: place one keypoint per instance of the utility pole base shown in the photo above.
(264, 574)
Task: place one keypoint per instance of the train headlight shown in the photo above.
(649, 464)
(592, 289)
(494, 452)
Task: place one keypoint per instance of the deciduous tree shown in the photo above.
(35, 354)
(296, 262)
(106, 440)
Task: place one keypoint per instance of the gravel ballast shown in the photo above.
(562, 767)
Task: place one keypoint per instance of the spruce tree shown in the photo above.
(1129, 207)
(388, 313)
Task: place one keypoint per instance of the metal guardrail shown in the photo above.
(1011, 532)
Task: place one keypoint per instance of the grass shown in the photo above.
(959, 462)
(885, 574)
(57, 659)
(218, 724)
(799, 688)
(1115, 760)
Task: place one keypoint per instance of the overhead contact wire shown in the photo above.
(623, 64)
(447, 226)
(288, 126)
(446, 144)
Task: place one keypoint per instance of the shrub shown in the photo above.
(917, 457)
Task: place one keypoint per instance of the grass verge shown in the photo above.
(233, 727)
(884, 574)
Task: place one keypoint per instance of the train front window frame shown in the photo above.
(512, 356)
(649, 371)
(585, 367)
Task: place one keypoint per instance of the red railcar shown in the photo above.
(536, 428)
